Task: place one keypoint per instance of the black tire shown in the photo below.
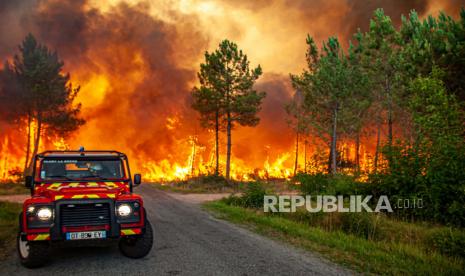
(139, 246)
(38, 252)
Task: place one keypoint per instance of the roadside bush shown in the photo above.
(312, 184)
(8, 226)
(233, 200)
(344, 185)
(448, 241)
(252, 197)
(361, 224)
(324, 184)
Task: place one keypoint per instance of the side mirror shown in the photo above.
(137, 179)
(28, 181)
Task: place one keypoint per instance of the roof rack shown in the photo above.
(81, 153)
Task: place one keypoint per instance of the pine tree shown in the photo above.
(328, 85)
(381, 50)
(46, 93)
(226, 96)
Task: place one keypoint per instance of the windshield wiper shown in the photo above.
(59, 176)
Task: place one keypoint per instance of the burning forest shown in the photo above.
(136, 62)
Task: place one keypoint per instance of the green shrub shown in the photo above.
(344, 185)
(448, 241)
(233, 200)
(324, 184)
(253, 195)
(361, 224)
(8, 226)
(312, 184)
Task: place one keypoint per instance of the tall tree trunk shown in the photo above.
(28, 145)
(296, 163)
(305, 156)
(389, 98)
(228, 152)
(334, 143)
(378, 140)
(330, 157)
(357, 152)
(36, 140)
(390, 132)
(217, 153)
(193, 157)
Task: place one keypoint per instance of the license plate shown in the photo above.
(86, 235)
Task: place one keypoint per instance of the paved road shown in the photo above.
(188, 241)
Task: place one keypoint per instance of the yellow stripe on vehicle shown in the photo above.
(85, 196)
(42, 237)
(57, 197)
(128, 232)
(111, 195)
(54, 186)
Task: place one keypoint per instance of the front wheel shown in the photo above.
(33, 253)
(137, 247)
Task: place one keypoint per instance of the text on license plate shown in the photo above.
(86, 235)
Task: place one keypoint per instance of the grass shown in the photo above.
(8, 226)
(13, 188)
(363, 255)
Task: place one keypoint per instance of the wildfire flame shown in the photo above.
(136, 63)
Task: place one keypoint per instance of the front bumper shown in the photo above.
(57, 232)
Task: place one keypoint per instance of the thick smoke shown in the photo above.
(136, 63)
(134, 54)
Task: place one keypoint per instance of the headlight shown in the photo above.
(39, 216)
(124, 210)
(128, 211)
(44, 213)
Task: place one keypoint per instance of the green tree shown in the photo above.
(361, 100)
(46, 93)
(226, 96)
(439, 126)
(436, 42)
(328, 85)
(431, 167)
(382, 61)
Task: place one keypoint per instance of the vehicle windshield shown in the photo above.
(78, 169)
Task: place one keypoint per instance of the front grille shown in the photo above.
(85, 214)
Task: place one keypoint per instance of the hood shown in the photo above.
(81, 190)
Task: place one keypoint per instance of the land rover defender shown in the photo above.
(82, 196)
